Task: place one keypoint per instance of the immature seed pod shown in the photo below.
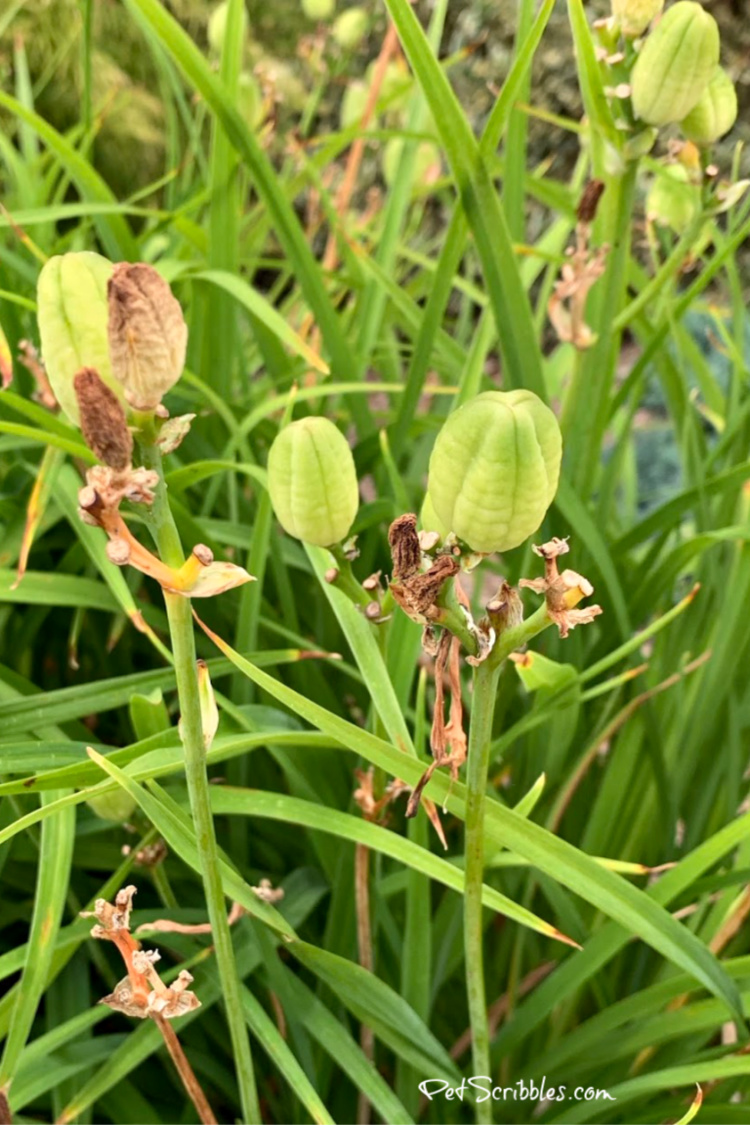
(715, 113)
(72, 316)
(312, 482)
(427, 165)
(634, 16)
(673, 201)
(429, 519)
(675, 65)
(353, 103)
(117, 806)
(147, 334)
(350, 28)
(318, 9)
(494, 469)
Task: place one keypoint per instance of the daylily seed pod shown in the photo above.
(675, 64)
(494, 469)
(147, 334)
(312, 482)
(715, 113)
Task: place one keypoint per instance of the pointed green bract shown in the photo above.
(494, 469)
(313, 482)
(72, 313)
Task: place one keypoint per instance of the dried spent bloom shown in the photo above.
(563, 591)
(405, 548)
(103, 422)
(147, 334)
(494, 469)
(72, 317)
(675, 64)
(418, 594)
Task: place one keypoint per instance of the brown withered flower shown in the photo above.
(147, 334)
(406, 551)
(563, 591)
(418, 594)
(103, 422)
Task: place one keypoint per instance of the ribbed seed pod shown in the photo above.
(72, 316)
(715, 113)
(634, 16)
(494, 469)
(428, 518)
(312, 482)
(675, 64)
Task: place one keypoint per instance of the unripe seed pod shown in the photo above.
(673, 201)
(494, 469)
(217, 26)
(72, 316)
(312, 482)
(675, 65)
(634, 16)
(117, 806)
(715, 113)
(353, 103)
(147, 334)
(427, 164)
(350, 28)
(429, 519)
(318, 9)
(250, 99)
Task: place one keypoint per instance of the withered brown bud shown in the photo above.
(405, 549)
(589, 201)
(147, 334)
(103, 422)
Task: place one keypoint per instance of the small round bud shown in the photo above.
(634, 16)
(116, 807)
(312, 482)
(494, 469)
(675, 64)
(350, 28)
(715, 113)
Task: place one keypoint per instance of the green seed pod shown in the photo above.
(426, 167)
(673, 201)
(675, 64)
(494, 469)
(715, 113)
(72, 312)
(318, 9)
(312, 482)
(429, 520)
(634, 16)
(353, 104)
(117, 806)
(250, 99)
(350, 28)
(217, 26)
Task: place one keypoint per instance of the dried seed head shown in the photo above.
(405, 549)
(589, 201)
(103, 422)
(147, 334)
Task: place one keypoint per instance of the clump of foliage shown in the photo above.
(392, 812)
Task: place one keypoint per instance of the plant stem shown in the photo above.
(167, 539)
(480, 736)
(185, 1071)
(486, 677)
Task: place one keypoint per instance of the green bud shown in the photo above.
(634, 16)
(350, 28)
(117, 806)
(494, 469)
(312, 482)
(426, 167)
(675, 65)
(318, 9)
(715, 113)
(353, 104)
(673, 201)
(72, 312)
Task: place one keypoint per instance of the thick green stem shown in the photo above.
(480, 738)
(179, 615)
(486, 678)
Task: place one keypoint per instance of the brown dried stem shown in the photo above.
(185, 1070)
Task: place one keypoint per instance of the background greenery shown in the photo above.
(123, 134)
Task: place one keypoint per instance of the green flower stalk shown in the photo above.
(312, 482)
(494, 469)
(675, 65)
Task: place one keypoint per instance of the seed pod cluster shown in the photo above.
(676, 78)
(312, 482)
(494, 469)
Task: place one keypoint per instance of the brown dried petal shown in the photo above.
(124, 999)
(103, 422)
(418, 595)
(405, 549)
(589, 201)
(147, 334)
